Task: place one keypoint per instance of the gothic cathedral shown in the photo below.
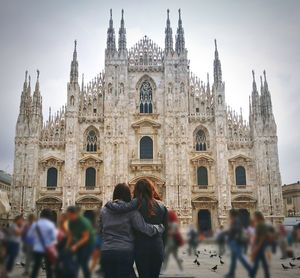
(147, 115)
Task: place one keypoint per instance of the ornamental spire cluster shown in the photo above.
(261, 104)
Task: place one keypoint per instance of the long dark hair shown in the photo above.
(122, 192)
(145, 190)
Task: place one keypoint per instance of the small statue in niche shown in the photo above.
(220, 100)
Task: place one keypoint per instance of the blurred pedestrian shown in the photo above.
(260, 244)
(28, 244)
(66, 265)
(13, 242)
(221, 240)
(192, 240)
(235, 241)
(81, 239)
(282, 240)
(3, 252)
(43, 233)
(174, 241)
(117, 229)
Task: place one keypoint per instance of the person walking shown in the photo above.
(27, 244)
(174, 241)
(192, 240)
(117, 231)
(260, 244)
(43, 235)
(81, 239)
(13, 242)
(235, 241)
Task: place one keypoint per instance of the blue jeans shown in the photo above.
(237, 254)
(117, 263)
(13, 251)
(83, 256)
(260, 256)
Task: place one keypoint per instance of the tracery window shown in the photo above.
(201, 143)
(240, 175)
(90, 177)
(91, 141)
(202, 177)
(52, 177)
(146, 98)
(146, 148)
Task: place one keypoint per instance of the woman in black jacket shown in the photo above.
(149, 252)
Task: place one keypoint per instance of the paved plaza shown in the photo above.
(206, 263)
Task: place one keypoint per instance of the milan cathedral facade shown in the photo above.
(147, 115)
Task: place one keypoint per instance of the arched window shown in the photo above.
(90, 177)
(52, 177)
(202, 177)
(146, 148)
(146, 98)
(200, 141)
(240, 175)
(91, 141)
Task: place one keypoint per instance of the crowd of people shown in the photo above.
(249, 244)
(132, 229)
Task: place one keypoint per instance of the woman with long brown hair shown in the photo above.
(149, 252)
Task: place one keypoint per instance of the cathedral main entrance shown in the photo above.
(204, 221)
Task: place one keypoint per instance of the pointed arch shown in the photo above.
(201, 139)
(91, 139)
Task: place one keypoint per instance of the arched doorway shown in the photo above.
(52, 203)
(204, 220)
(244, 216)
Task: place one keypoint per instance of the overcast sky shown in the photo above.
(254, 34)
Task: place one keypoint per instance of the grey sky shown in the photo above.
(251, 35)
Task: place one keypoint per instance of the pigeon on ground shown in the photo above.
(284, 267)
(292, 265)
(214, 268)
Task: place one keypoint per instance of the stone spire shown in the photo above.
(168, 36)
(37, 84)
(37, 100)
(180, 42)
(25, 81)
(74, 66)
(254, 96)
(207, 84)
(217, 68)
(122, 35)
(266, 102)
(111, 39)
